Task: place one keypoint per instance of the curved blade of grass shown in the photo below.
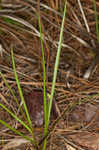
(44, 75)
(23, 22)
(14, 116)
(11, 91)
(44, 78)
(96, 17)
(22, 98)
(19, 88)
(15, 131)
(10, 21)
(55, 74)
(56, 63)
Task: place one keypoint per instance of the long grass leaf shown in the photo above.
(12, 92)
(44, 81)
(14, 116)
(15, 131)
(56, 64)
(19, 88)
(44, 74)
(54, 76)
(96, 18)
(22, 98)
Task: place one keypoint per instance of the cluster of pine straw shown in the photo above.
(19, 26)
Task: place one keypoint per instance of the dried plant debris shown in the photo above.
(86, 140)
(14, 143)
(85, 112)
(78, 73)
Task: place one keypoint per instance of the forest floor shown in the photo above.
(77, 84)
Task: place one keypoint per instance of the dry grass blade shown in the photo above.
(15, 143)
(83, 15)
(3, 99)
(20, 20)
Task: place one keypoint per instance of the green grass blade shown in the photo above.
(56, 64)
(15, 131)
(96, 18)
(55, 74)
(44, 82)
(44, 73)
(11, 91)
(22, 98)
(15, 117)
(19, 88)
